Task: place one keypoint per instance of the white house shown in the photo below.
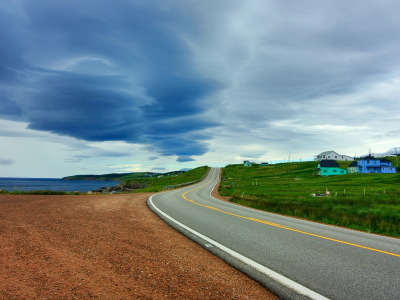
(332, 155)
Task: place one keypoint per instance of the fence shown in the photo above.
(171, 187)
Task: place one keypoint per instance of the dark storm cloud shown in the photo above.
(98, 71)
(185, 169)
(158, 169)
(253, 154)
(6, 162)
(184, 158)
(10, 110)
(85, 107)
(98, 153)
(73, 160)
(181, 126)
(180, 146)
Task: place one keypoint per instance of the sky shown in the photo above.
(95, 87)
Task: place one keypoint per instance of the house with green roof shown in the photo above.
(329, 167)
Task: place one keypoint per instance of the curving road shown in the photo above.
(294, 258)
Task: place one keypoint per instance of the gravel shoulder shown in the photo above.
(106, 247)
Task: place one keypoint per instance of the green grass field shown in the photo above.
(156, 184)
(285, 188)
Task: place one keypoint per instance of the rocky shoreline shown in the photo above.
(122, 187)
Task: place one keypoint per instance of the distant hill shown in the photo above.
(120, 176)
(156, 183)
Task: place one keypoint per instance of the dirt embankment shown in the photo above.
(106, 247)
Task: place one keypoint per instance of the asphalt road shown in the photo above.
(333, 262)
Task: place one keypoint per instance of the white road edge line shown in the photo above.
(272, 274)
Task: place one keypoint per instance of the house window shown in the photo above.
(324, 156)
(390, 169)
(335, 156)
(334, 171)
(329, 157)
(383, 169)
(341, 171)
(325, 171)
(374, 161)
(367, 161)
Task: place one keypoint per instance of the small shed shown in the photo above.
(264, 164)
(247, 163)
(353, 168)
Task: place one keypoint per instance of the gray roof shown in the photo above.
(328, 163)
(326, 152)
(353, 164)
(385, 160)
(368, 158)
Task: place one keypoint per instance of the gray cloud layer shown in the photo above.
(6, 162)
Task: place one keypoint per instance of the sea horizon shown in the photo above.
(28, 184)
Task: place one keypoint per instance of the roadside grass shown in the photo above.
(115, 177)
(285, 188)
(154, 185)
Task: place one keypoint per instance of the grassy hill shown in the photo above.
(120, 176)
(285, 188)
(106, 177)
(155, 184)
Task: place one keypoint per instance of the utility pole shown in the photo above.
(397, 162)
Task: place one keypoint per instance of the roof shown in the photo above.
(353, 164)
(326, 152)
(385, 160)
(328, 163)
(368, 158)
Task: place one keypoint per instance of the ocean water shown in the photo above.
(38, 184)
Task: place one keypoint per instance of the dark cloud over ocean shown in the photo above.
(98, 71)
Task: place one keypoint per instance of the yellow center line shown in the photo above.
(278, 225)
